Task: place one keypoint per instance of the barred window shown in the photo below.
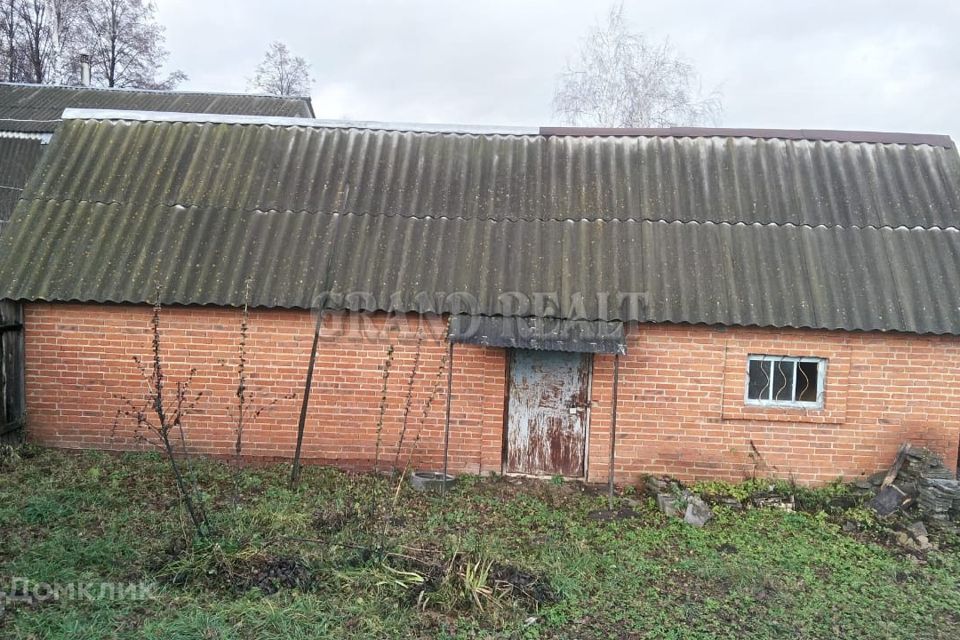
(785, 381)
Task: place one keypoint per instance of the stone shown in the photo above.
(656, 485)
(698, 512)
(786, 503)
(921, 464)
(937, 497)
(904, 540)
(732, 503)
(914, 543)
(917, 530)
(667, 502)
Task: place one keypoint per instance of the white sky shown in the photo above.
(841, 64)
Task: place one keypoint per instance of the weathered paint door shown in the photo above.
(547, 412)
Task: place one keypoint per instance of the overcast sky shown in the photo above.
(876, 65)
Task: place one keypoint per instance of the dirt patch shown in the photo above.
(523, 585)
(443, 584)
(237, 571)
(274, 574)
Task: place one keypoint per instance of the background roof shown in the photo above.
(18, 157)
(37, 108)
(737, 231)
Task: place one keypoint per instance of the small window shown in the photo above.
(785, 381)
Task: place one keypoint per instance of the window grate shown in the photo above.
(785, 381)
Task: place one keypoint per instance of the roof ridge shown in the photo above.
(822, 135)
(798, 135)
(293, 122)
(719, 223)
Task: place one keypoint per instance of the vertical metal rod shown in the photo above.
(304, 405)
(446, 423)
(319, 303)
(613, 428)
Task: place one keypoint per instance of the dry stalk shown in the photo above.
(385, 375)
(425, 411)
(408, 401)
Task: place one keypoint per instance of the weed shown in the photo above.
(473, 577)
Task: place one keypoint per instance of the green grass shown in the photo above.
(430, 570)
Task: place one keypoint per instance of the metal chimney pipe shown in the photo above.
(84, 69)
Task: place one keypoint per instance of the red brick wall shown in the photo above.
(81, 372)
(682, 412)
(681, 408)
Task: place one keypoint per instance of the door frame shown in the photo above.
(505, 436)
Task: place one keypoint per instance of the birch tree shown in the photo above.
(620, 79)
(281, 73)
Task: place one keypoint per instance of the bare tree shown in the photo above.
(39, 41)
(36, 38)
(67, 32)
(281, 73)
(126, 44)
(10, 40)
(620, 79)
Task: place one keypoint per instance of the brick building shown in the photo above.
(759, 302)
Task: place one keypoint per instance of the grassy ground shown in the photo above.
(496, 558)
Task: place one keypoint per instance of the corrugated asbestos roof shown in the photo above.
(498, 177)
(18, 157)
(27, 109)
(734, 231)
(37, 108)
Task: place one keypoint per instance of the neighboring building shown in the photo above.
(29, 114)
(778, 302)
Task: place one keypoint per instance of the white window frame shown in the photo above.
(795, 404)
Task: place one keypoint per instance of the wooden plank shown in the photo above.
(897, 464)
(12, 391)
